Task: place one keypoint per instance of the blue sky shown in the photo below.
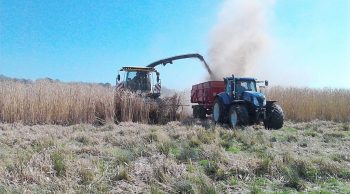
(90, 40)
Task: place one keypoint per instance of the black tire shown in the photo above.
(243, 115)
(202, 112)
(233, 119)
(199, 112)
(221, 112)
(195, 111)
(274, 117)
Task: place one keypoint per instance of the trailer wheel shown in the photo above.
(274, 117)
(233, 116)
(195, 111)
(202, 112)
(243, 116)
(218, 111)
(199, 112)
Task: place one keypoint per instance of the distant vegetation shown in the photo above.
(48, 101)
(306, 104)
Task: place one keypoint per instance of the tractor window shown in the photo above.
(242, 86)
(130, 75)
(138, 80)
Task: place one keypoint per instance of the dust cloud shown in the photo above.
(239, 37)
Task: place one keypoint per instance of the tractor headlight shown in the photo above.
(255, 101)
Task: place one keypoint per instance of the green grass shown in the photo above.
(175, 159)
(59, 164)
(233, 149)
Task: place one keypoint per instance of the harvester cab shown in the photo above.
(140, 79)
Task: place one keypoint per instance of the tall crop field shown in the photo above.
(52, 102)
(305, 104)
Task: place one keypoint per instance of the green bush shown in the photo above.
(233, 149)
(164, 147)
(188, 153)
(212, 169)
(87, 176)
(59, 164)
(122, 174)
(183, 186)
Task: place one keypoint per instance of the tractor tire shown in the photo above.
(274, 117)
(199, 112)
(233, 117)
(243, 115)
(218, 111)
(202, 112)
(195, 112)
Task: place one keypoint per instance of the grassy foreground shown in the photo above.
(190, 157)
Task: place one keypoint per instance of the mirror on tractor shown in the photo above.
(266, 83)
(118, 77)
(157, 77)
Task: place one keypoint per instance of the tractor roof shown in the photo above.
(245, 79)
(146, 69)
(242, 78)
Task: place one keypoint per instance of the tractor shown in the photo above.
(236, 101)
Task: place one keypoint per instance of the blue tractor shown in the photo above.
(242, 104)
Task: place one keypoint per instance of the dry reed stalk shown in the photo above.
(51, 102)
(306, 104)
(54, 102)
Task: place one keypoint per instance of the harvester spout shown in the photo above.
(178, 57)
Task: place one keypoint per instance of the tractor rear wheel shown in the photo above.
(218, 111)
(274, 117)
(243, 115)
(233, 116)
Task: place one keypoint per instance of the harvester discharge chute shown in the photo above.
(179, 57)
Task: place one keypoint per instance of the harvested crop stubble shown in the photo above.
(306, 104)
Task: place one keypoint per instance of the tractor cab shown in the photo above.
(236, 87)
(140, 79)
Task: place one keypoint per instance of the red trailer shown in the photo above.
(204, 95)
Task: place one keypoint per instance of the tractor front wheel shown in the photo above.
(218, 111)
(274, 117)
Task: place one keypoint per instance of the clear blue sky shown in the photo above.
(89, 41)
